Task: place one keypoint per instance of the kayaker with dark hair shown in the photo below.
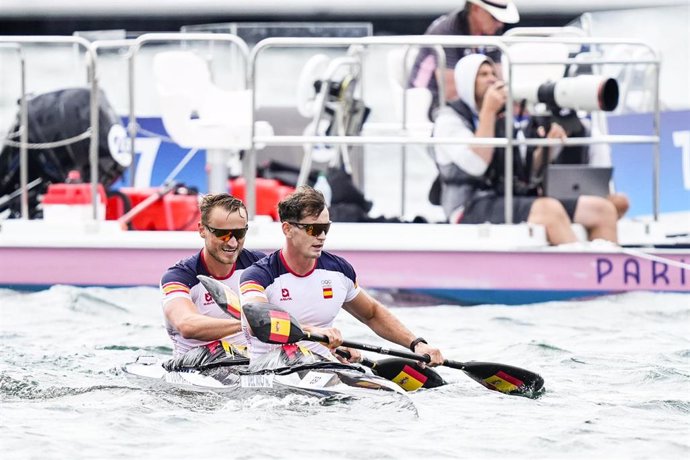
(313, 284)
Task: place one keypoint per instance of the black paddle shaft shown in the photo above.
(267, 323)
(386, 351)
(526, 383)
(347, 355)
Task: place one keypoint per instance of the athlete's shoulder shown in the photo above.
(248, 257)
(264, 269)
(184, 271)
(330, 261)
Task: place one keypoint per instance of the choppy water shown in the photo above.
(617, 374)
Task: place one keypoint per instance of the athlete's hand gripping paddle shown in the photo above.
(272, 324)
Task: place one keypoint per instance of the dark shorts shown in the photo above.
(569, 204)
(492, 209)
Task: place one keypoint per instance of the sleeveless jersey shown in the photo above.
(313, 299)
(181, 281)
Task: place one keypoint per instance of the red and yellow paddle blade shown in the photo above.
(233, 306)
(408, 374)
(503, 382)
(222, 295)
(272, 324)
(409, 379)
(280, 326)
(506, 379)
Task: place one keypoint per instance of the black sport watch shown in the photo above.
(416, 342)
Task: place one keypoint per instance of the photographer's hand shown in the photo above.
(557, 132)
(492, 103)
(495, 98)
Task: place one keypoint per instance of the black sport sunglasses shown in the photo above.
(313, 229)
(226, 234)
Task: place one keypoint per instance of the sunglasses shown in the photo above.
(226, 234)
(313, 229)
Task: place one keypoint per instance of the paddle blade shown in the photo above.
(222, 295)
(504, 378)
(272, 324)
(408, 374)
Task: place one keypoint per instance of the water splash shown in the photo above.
(25, 388)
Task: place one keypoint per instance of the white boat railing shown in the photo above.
(502, 44)
(99, 45)
(434, 42)
(20, 41)
(321, 103)
(251, 69)
(654, 139)
(161, 38)
(441, 84)
(23, 132)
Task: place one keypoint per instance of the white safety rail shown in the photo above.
(19, 42)
(508, 142)
(238, 140)
(406, 139)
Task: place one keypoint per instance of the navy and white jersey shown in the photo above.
(180, 281)
(314, 299)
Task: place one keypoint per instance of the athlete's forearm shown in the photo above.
(388, 326)
(202, 327)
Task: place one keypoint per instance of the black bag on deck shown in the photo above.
(283, 172)
(435, 191)
(348, 203)
(56, 116)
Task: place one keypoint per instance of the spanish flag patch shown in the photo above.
(327, 293)
(251, 286)
(280, 326)
(410, 379)
(503, 382)
(169, 288)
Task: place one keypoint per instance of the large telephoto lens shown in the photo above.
(584, 92)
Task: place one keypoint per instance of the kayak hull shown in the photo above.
(328, 381)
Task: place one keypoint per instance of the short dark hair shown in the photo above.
(223, 200)
(303, 202)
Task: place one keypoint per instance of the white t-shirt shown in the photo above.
(313, 299)
(181, 281)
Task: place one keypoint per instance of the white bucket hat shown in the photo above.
(503, 10)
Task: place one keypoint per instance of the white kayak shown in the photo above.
(324, 379)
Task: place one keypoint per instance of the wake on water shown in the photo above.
(616, 370)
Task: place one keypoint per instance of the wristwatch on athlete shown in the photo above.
(416, 342)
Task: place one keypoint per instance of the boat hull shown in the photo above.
(330, 382)
(453, 264)
(463, 277)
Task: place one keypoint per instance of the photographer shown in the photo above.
(472, 178)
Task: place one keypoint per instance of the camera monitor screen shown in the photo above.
(571, 181)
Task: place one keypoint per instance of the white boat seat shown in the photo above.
(195, 112)
(418, 99)
(313, 70)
